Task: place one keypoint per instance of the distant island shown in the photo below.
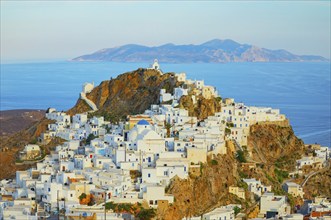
(214, 51)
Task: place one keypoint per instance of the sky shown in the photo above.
(41, 30)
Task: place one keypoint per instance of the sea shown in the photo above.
(300, 90)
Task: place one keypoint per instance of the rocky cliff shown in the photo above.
(201, 193)
(202, 108)
(319, 185)
(272, 144)
(130, 93)
(275, 149)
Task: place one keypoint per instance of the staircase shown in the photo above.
(238, 147)
(88, 101)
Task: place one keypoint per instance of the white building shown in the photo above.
(87, 87)
(293, 189)
(219, 213)
(155, 193)
(271, 205)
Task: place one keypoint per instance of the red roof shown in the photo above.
(319, 214)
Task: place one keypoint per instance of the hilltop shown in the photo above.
(213, 51)
(129, 93)
(133, 92)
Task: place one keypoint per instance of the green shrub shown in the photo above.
(281, 175)
(218, 99)
(90, 138)
(236, 210)
(82, 196)
(241, 156)
(230, 124)
(146, 214)
(214, 162)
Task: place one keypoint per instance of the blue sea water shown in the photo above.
(299, 90)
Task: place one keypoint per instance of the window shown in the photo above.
(70, 195)
(151, 202)
(149, 175)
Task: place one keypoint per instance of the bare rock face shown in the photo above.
(275, 145)
(129, 93)
(320, 184)
(202, 108)
(197, 195)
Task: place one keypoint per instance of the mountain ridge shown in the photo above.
(213, 51)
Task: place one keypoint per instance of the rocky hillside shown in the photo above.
(214, 51)
(13, 121)
(205, 191)
(10, 147)
(129, 93)
(202, 108)
(273, 147)
(274, 144)
(319, 184)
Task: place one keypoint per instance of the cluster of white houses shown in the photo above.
(162, 143)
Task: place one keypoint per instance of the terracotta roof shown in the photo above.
(318, 214)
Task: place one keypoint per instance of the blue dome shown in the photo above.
(142, 122)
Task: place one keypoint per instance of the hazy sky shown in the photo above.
(60, 30)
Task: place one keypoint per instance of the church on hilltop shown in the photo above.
(156, 66)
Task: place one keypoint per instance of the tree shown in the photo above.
(146, 214)
(82, 196)
(241, 156)
(90, 138)
(236, 210)
(168, 127)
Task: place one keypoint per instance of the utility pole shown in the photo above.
(58, 206)
(140, 160)
(105, 203)
(35, 196)
(64, 208)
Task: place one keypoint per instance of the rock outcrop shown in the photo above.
(320, 184)
(273, 144)
(200, 194)
(202, 108)
(130, 93)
